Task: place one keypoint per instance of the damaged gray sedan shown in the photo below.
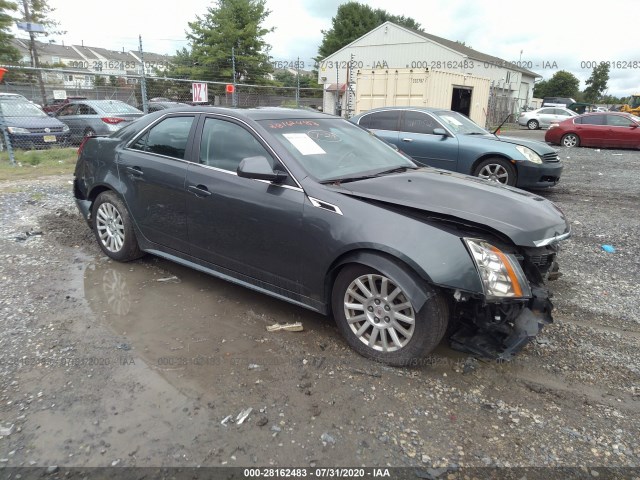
(318, 212)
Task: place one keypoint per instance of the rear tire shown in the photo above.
(533, 125)
(379, 320)
(113, 228)
(570, 140)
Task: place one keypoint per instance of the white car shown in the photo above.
(545, 116)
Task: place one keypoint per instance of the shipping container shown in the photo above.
(423, 88)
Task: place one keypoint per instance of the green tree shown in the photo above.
(562, 84)
(229, 24)
(8, 53)
(353, 20)
(99, 81)
(597, 83)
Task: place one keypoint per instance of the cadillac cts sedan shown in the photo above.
(316, 211)
(446, 139)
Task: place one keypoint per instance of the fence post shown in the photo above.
(143, 81)
(5, 133)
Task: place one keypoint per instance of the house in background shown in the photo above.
(391, 46)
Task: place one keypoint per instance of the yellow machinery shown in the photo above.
(633, 106)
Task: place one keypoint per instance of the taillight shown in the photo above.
(84, 140)
(112, 120)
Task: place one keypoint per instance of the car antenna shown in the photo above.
(500, 126)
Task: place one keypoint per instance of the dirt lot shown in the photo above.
(150, 364)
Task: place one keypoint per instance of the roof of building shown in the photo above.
(469, 52)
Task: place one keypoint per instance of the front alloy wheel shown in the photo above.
(379, 320)
(379, 313)
(496, 170)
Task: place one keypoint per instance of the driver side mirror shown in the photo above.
(259, 168)
(440, 131)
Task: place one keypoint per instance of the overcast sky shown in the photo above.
(568, 33)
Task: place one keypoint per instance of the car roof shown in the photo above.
(419, 109)
(258, 113)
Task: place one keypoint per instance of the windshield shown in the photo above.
(116, 107)
(334, 148)
(459, 124)
(20, 108)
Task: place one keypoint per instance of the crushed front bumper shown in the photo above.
(501, 340)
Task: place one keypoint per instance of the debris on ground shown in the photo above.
(289, 327)
(172, 279)
(242, 416)
(609, 248)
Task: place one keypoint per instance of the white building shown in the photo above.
(392, 46)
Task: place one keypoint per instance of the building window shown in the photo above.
(55, 60)
(70, 78)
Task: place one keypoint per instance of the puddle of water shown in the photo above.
(194, 328)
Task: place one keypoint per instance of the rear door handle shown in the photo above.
(137, 171)
(199, 190)
(407, 140)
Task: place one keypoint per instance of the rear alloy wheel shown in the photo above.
(89, 132)
(496, 170)
(570, 140)
(113, 228)
(379, 320)
(533, 125)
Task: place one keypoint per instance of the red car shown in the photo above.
(600, 129)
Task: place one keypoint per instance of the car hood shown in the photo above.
(527, 219)
(537, 147)
(33, 122)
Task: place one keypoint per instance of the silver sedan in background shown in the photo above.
(86, 118)
(543, 117)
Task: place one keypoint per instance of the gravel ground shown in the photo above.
(152, 364)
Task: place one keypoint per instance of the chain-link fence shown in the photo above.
(45, 108)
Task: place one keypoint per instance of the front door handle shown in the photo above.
(407, 140)
(137, 171)
(199, 190)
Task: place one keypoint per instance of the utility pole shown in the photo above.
(143, 81)
(298, 83)
(35, 62)
(234, 103)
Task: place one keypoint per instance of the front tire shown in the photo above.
(113, 228)
(533, 125)
(496, 170)
(379, 320)
(570, 140)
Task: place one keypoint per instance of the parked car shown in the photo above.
(314, 210)
(602, 129)
(450, 140)
(28, 126)
(58, 103)
(543, 117)
(557, 101)
(582, 107)
(96, 117)
(154, 106)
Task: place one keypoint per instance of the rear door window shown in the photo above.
(168, 138)
(385, 120)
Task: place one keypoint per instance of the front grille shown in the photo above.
(41, 130)
(551, 157)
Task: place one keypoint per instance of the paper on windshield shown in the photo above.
(304, 144)
(451, 120)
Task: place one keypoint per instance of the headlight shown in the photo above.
(65, 128)
(500, 272)
(16, 130)
(529, 154)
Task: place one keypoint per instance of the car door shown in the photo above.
(546, 116)
(418, 141)
(68, 115)
(383, 124)
(152, 169)
(593, 130)
(250, 228)
(623, 132)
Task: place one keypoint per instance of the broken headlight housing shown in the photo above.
(500, 273)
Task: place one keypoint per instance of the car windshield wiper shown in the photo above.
(370, 175)
(478, 133)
